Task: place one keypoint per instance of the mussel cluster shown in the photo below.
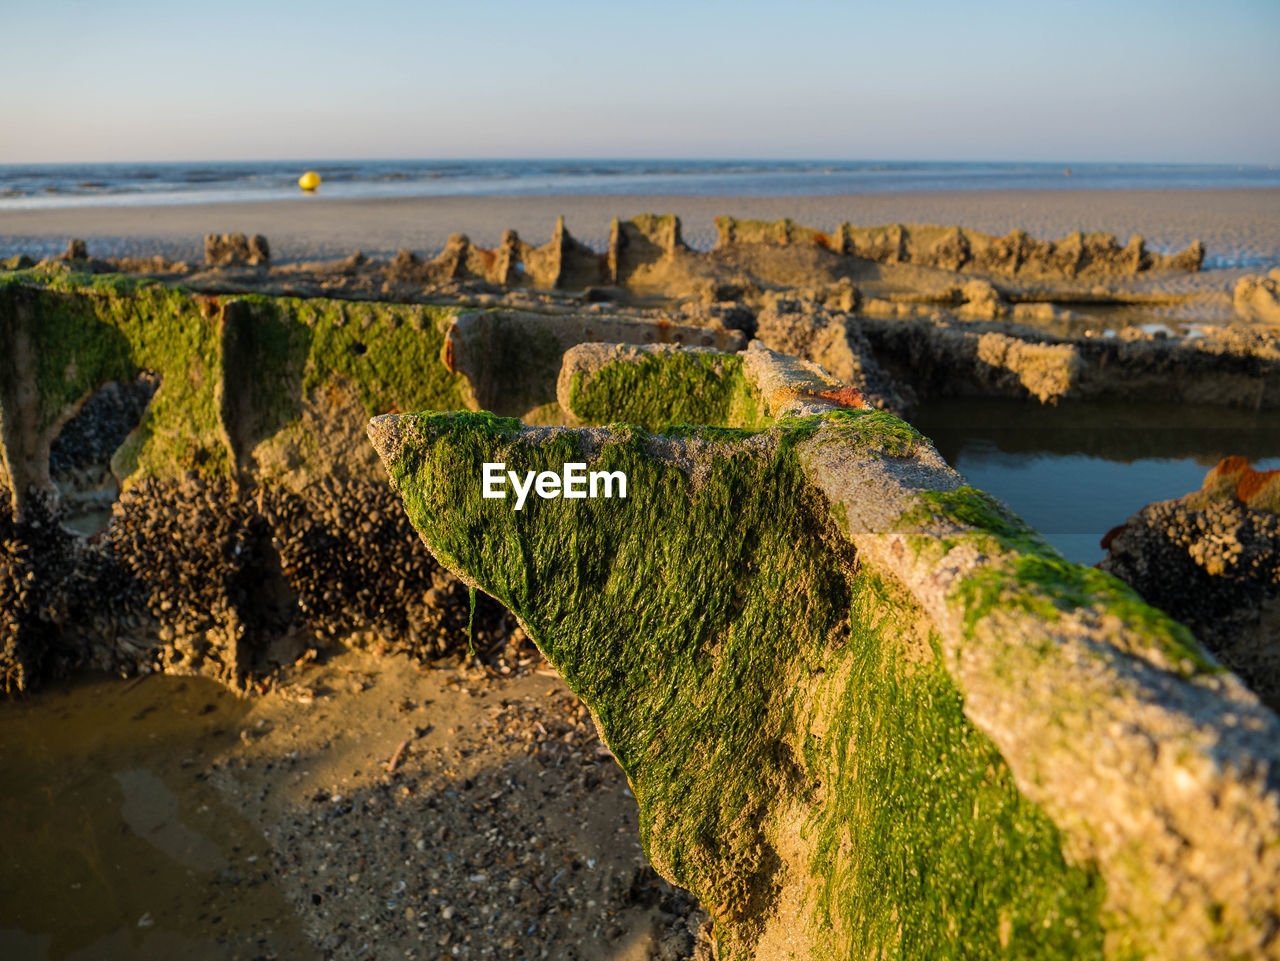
(200, 575)
(102, 424)
(1215, 568)
(38, 577)
(355, 563)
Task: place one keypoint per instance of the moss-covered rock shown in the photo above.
(659, 384)
(512, 359)
(866, 711)
(742, 669)
(260, 388)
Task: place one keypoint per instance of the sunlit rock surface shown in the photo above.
(863, 708)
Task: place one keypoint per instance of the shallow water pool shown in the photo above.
(1077, 470)
(113, 845)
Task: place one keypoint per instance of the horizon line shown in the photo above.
(606, 158)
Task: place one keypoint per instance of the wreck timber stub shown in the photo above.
(863, 707)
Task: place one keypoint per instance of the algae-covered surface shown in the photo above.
(921, 814)
(301, 369)
(1031, 576)
(86, 331)
(676, 387)
(235, 371)
(743, 672)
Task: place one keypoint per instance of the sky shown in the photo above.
(1138, 81)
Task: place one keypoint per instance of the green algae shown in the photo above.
(865, 427)
(677, 615)
(86, 331)
(921, 812)
(673, 387)
(234, 371)
(1029, 575)
(291, 353)
(670, 391)
(390, 352)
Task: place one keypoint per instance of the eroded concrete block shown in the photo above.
(863, 708)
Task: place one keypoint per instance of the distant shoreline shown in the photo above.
(1240, 226)
(53, 186)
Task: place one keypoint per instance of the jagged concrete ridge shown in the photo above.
(641, 247)
(563, 262)
(957, 248)
(1151, 764)
(755, 665)
(1108, 714)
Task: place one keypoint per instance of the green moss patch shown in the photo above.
(697, 621)
(87, 331)
(1031, 576)
(921, 813)
(235, 371)
(672, 387)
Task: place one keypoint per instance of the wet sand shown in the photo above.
(1233, 223)
(369, 808)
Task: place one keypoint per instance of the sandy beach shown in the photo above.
(1235, 225)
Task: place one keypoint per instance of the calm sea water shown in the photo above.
(1074, 472)
(66, 185)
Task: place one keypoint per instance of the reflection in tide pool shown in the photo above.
(1074, 472)
(114, 845)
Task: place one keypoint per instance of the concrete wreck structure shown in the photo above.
(865, 711)
(247, 469)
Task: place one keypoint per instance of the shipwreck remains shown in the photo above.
(253, 511)
(863, 708)
(647, 244)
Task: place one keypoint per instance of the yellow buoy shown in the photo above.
(309, 181)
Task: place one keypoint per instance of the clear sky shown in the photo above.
(1127, 80)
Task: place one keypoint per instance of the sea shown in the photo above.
(43, 186)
